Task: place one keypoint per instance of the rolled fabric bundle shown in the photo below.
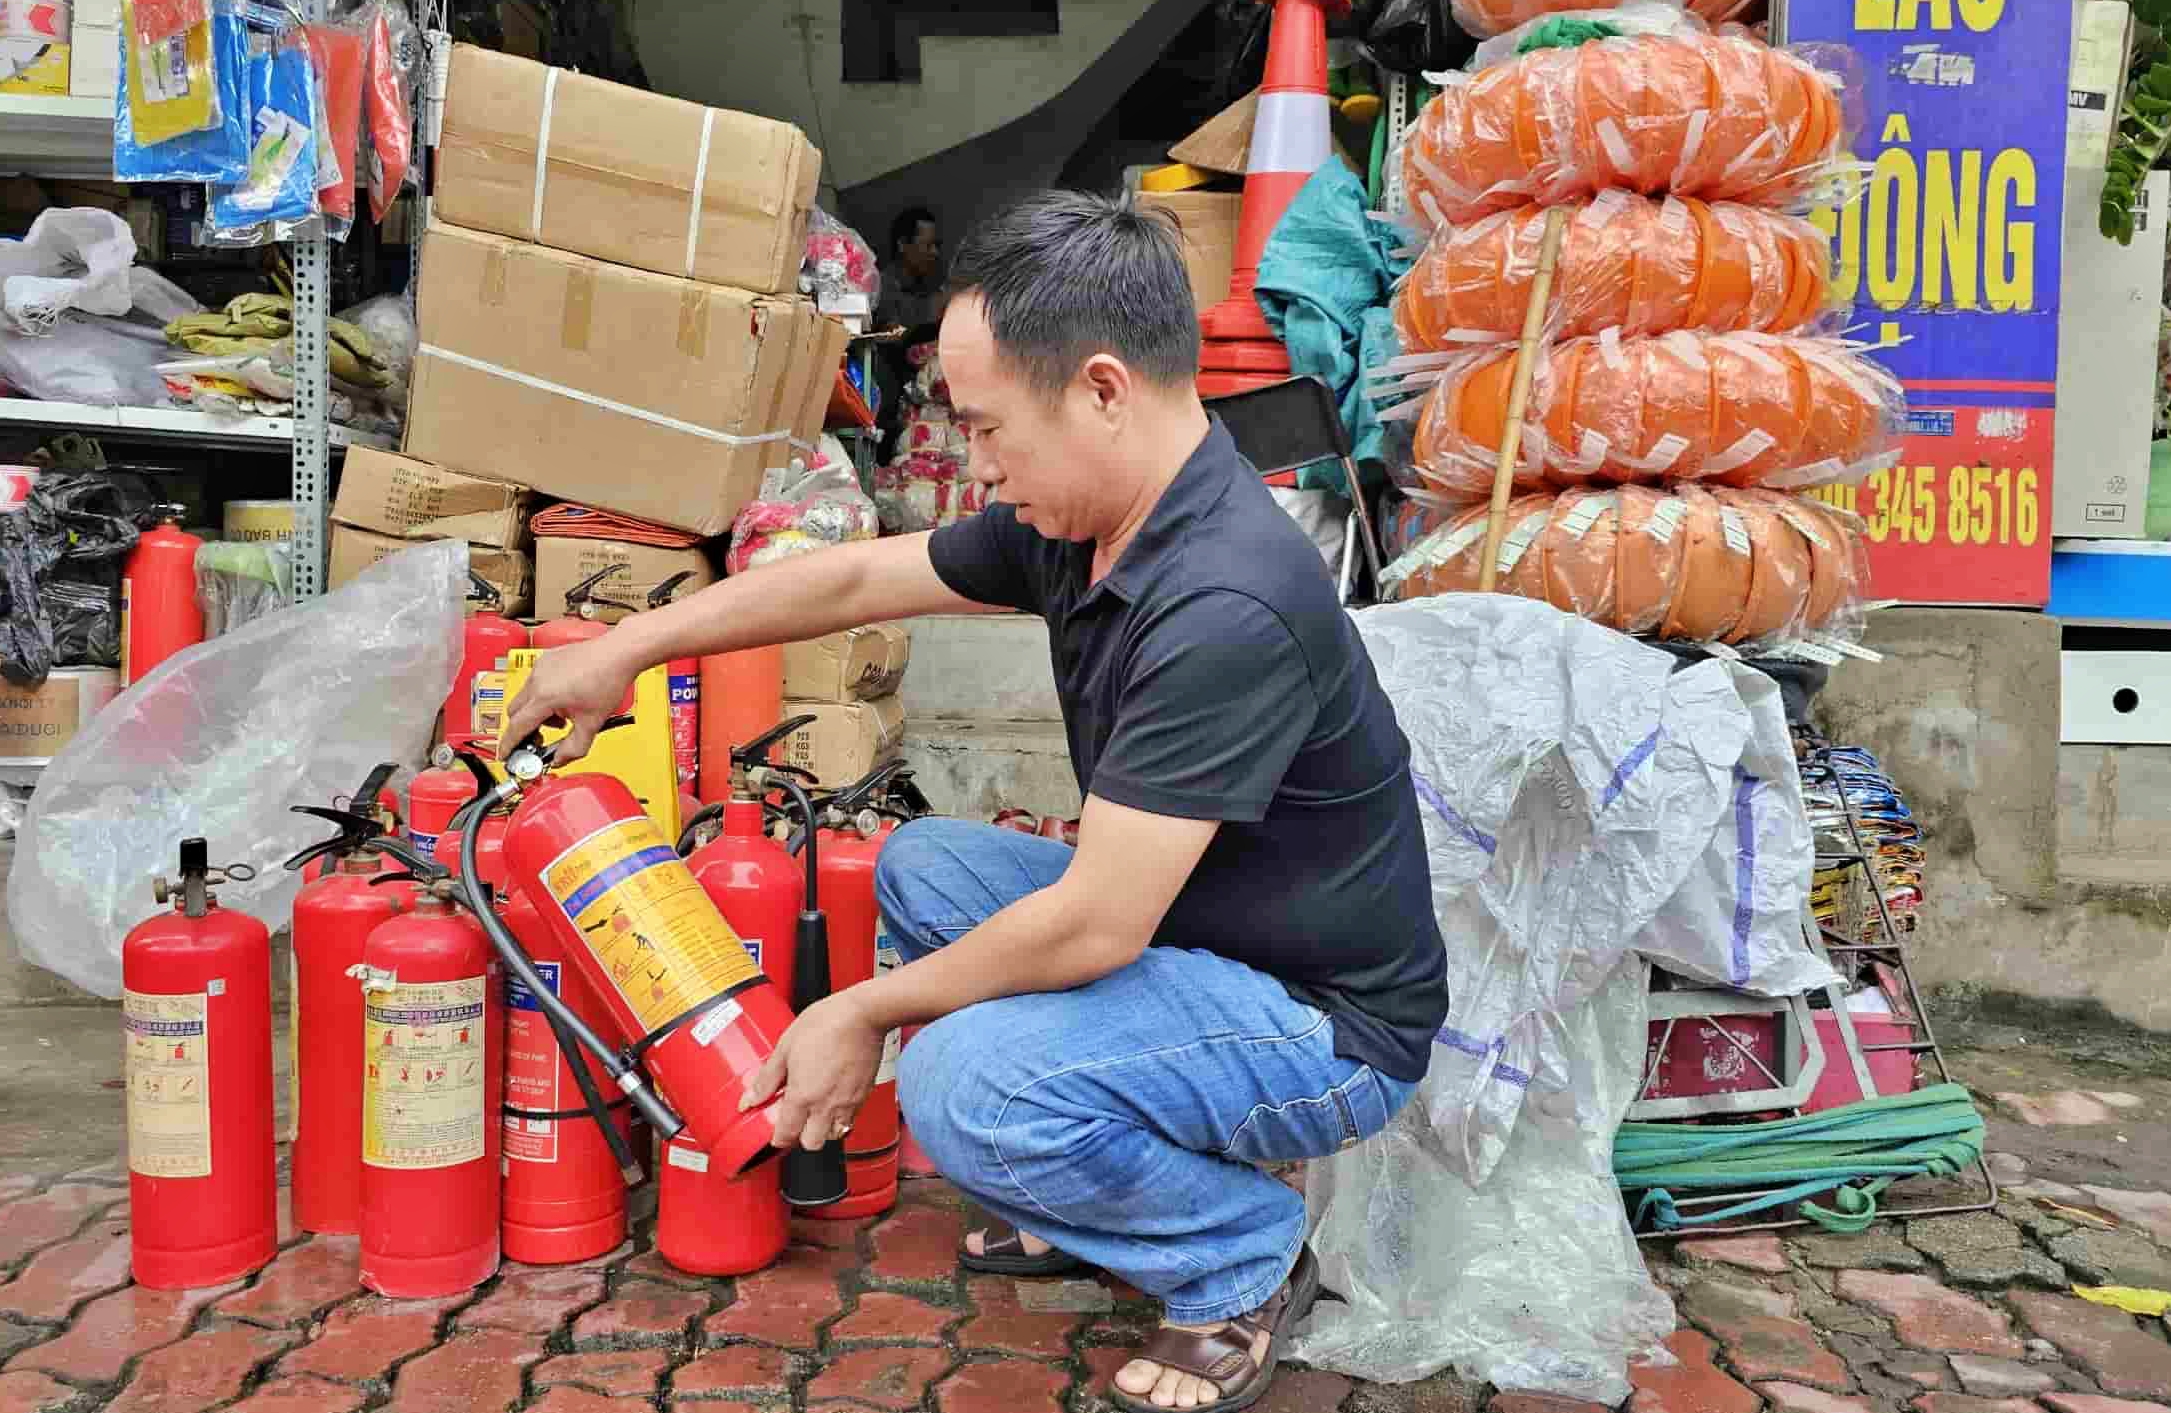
(1743, 409)
(1721, 117)
(1634, 263)
(1682, 563)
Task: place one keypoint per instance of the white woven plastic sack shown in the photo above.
(291, 708)
(1581, 799)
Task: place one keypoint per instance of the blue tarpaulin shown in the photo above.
(1325, 282)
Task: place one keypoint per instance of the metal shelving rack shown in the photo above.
(61, 137)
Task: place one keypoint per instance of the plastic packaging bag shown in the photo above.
(1682, 563)
(281, 188)
(75, 257)
(239, 583)
(86, 621)
(841, 262)
(217, 154)
(1409, 36)
(1565, 22)
(103, 362)
(1721, 117)
(1641, 265)
(388, 321)
(388, 103)
(799, 509)
(1498, 17)
(1744, 409)
(55, 552)
(26, 633)
(341, 54)
(218, 741)
(171, 82)
(1573, 784)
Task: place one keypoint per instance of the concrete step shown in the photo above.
(980, 667)
(971, 769)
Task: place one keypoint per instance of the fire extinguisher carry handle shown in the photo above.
(662, 593)
(756, 751)
(481, 590)
(854, 796)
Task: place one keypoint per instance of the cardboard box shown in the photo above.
(1209, 222)
(392, 494)
(859, 664)
(619, 173)
(845, 741)
(35, 725)
(562, 563)
(2109, 312)
(509, 571)
(635, 392)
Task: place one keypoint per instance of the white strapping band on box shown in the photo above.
(542, 169)
(623, 409)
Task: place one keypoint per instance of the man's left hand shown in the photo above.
(825, 1064)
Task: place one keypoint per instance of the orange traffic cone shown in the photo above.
(1290, 139)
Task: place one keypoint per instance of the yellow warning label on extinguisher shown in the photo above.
(168, 1069)
(647, 920)
(423, 1076)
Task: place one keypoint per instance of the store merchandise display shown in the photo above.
(1853, 780)
(805, 506)
(926, 484)
(1492, 17)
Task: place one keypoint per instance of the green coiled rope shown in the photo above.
(1854, 1153)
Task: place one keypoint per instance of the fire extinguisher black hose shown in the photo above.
(592, 1098)
(811, 1178)
(626, 1076)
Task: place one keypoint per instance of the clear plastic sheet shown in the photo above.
(1722, 117)
(237, 583)
(1745, 409)
(85, 358)
(1732, 566)
(1581, 799)
(217, 741)
(72, 257)
(1638, 264)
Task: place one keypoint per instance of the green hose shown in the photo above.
(1854, 1152)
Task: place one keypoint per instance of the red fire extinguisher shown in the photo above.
(582, 603)
(159, 613)
(333, 918)
(648, 943)
(713, 1223)
(433, 798)
(434, 1040)
(684, 676)
(196, 1010)
(753, 880)
(490, 635)
(856, 822)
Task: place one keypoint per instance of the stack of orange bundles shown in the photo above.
(1688, 388)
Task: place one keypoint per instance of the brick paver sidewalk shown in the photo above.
(1947, 1315)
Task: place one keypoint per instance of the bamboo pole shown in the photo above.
(1526, 359)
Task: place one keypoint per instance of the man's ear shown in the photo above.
(1109, 379)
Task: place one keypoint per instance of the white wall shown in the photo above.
(782, 59)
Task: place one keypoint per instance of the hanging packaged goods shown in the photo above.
(1718, 117)
(1734, 566)
(1633, 263)
(1736, 409)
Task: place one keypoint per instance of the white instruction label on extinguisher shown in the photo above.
(887, 960)
(168, 1069)
(680, 1155)
(422, 1083)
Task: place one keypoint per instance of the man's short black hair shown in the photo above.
(907, 225)
(1064, 275)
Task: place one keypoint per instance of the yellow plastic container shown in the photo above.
(638, 755)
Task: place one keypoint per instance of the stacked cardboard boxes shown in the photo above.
(606, 306)
(387, 503)
(848, 683)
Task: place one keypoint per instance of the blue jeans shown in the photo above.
(1120, 1122)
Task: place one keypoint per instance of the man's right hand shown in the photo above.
(579, 685)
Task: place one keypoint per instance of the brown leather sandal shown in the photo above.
(1223, 1358)
(1003, 1253)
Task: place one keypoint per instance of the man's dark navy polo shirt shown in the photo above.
(1212, 675)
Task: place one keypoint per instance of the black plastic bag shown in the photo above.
(26, 634)
(86, 617)
(85, 520)
(1411, 36)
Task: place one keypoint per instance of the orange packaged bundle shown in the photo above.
(1489, 17)
(1627, 262)
(1740, 409)
(1733, 566)
(1722, 117)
